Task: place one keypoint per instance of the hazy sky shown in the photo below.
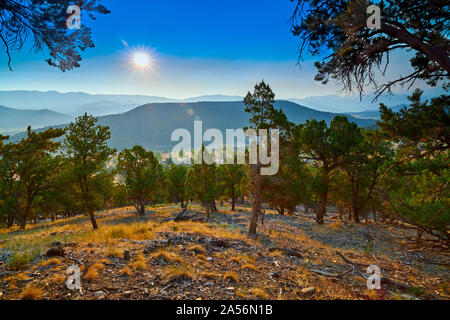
(196, 47)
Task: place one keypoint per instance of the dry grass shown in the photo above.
(200, 257)
(93, 272)
(231, 276)
(249, 266)
(58, 278)
(139, 263)
(260, 293)
(111, 233)
(179, 274)
(125, 271)
(114, 252)
(53, 261)
(164, 257)
(242, 259)
(19, 276)
(197, 248)
(336, 224)
(30, 292)
(210, 275)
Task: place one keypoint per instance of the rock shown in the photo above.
(100, 295)
(208, 284)
(127, 294)
(275, 274)
(126, 255)
(209, 259)
(309, 290)
(55, 252)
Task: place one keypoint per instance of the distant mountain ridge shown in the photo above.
(13, 120)
(77, 103)
(151, 125)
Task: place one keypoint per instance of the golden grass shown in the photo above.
(53, 261)
(30, 292)
(210, 275)
(58, 278)
(231, 276)
(114, 252)
(93, 272)
(125, 271)
(336, 224)
(110, 233)
(178, 274)
(139, 263)
(200, 257)
(259, 293)
(202, 228)
(249, 266)
(242, 259)
(197, 248)
(165, 257)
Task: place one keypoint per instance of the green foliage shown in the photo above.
(24, 168)
(325, 147)
(230, 178)
(19, 260)
(142, 173)
(419, 193)
(176, 183)
(417, 180)
(419, 130)
(201, 184)
(355, 52)
(86, 147)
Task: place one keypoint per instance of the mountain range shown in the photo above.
(77, 103)
(151, 125)
(13, 120)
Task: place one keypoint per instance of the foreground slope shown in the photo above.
(154, 257)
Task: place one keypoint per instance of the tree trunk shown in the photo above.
(233, 200)
(322, 208)
(291, 211)
(141, 206)
(182, 203)
(256, 201)
(341, 212)
(355, 199)
(92, 217)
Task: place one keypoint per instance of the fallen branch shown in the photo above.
(179, 215)
(384, 279)
(287, 251)
(332, 275)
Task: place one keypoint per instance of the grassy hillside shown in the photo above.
(154, 257)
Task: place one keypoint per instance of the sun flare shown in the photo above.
(141, 59)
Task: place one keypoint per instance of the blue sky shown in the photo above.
(197, 47)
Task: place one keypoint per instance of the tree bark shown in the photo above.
(355, 199)
(434, 53)
(93, 221)
(322, 208)
(256, 201)
(233, 200)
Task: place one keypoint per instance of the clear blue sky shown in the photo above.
(197, 47)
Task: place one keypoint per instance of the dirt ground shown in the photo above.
(154, 257)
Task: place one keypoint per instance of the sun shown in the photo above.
(141, 59)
